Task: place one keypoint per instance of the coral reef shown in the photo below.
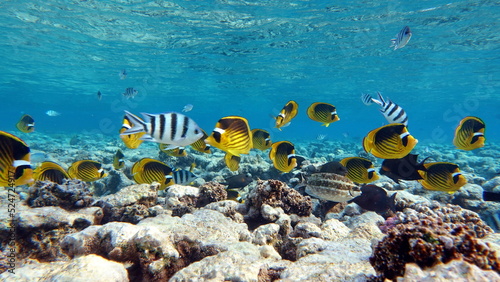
(72, 194)
(428, 235)
(131, 204)
(277, 194)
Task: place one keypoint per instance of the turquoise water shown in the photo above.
(249, 58)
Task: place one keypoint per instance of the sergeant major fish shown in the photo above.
(171, 128)
(402, 38)
(130, 92)
(392, 112)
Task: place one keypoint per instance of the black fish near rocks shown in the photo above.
(374, 198)
(238, 181)
(333, 167)
(403, 169)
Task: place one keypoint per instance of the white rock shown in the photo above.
(455, 270)
(334, 230)
(82, 269)
(266, 234)
(241, 262)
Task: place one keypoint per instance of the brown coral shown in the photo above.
(277, 194)
(429, 235)
(72, 194)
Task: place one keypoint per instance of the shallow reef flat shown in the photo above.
(113, 229)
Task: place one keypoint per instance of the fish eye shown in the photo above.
(196, 131)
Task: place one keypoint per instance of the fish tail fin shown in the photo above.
(366, 99)
(392, 202)
(138, 124)
(380, 100)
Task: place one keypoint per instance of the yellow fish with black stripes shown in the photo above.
(132, 141)
(87, 170)
(392, 141)
(469, 134)
(359, 170)
(15, 166)
(232, 161)
(442, 176)
(149, 170)
(177, 152)
(26, 124)
(50, 171)
(118, 162)
(261, 139)
(286, 114)
(283, 156)
(323, 112)
(232, 135)
(200, 144)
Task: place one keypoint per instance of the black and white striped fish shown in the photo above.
(183, 176)
(130, 92)
(174, 129)
(402, 38)
(392, 112)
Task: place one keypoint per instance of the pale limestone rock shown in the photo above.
(55, 217)
(228, 208)
(82, 269)
(241, 262)
(365, 226)
(269, 213)
(203, 225)
(176, 192)
(319, 260)
(455, 270)
(266, 234)
(334, 230)
(306, 230)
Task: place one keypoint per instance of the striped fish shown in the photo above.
(392, 112)
(87, 170)
(283, 156)
(183, 176)
(130, 92)
(232, 135)
(174, 129)
(402, 38)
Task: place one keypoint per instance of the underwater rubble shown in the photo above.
(116, 230)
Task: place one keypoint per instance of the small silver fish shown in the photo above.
(402, 38)
(52, 113)
(187, 108)
(123, 74)
(130, 92)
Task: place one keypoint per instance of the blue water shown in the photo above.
(249, 58)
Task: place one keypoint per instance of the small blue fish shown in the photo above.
(402, 38)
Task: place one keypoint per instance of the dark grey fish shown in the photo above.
(237, 181)
(402, 38)
(99, 95)
(374, 198)
(333, 167)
